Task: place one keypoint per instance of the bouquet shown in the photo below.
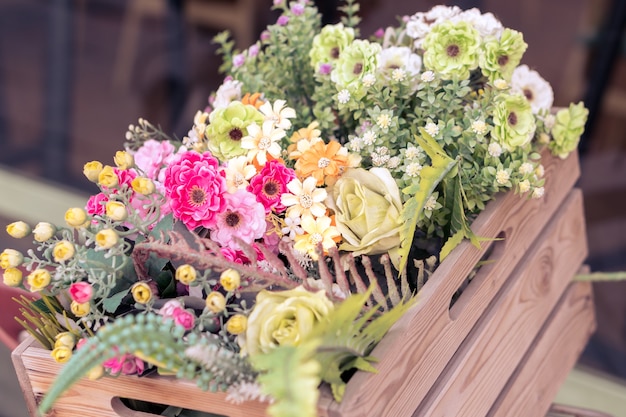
(271, 249)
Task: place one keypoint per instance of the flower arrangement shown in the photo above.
(268, 251)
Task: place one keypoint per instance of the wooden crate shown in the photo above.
(511, 326)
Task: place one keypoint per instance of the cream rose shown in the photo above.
(283, 318)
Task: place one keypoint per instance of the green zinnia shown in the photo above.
(513, 120)
(227, 126)
(501, 57)
(329, 43)
(569, 126)
(452, 49)
(358, 59)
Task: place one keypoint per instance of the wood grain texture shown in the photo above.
(489, 355)
(554, 352)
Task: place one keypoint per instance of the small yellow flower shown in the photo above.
(142, 293)
(237, 324)
(107, 238)
(80, 309)
(215, 302)
(76, 217)
(107, 177)
(91, 170)
(142, 185)
(18, 230)
(61, 354)
(95, 373)
(230, 279)
(38, 279)
(63, 251)
(44, 231)
(186, 274)
(123, 160)
(116, 210)
(12, 277)
(11, 258)
(500, 84)
(65, 339)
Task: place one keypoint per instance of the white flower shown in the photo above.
(398, 75)
(431, 203)
(486, 24)
(227, 92)
(238, 171)
(440, 13)
(524, 186)
(344, 96)
(479, 127)
(417, 28)
(539, 171)
(262, 141)
(412, 152)
(549, 121)
(396, 57)
(393, 162)
(427, 76)
(502, 177)
(538, 192)
(500, 84)
(304, 198)
(494, 149)
(413, 169)
(383, 121)
(526, 168)
(537, 91)
(432, 129)
(369, 138)
(292, 227)
(356, 144)
(278, 113)
(368, 80)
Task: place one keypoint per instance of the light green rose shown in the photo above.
(367, 207)
(569, 126)
(514, 123)
(358, 59)
(227, 126)
(328, 44)
(282, 318)
(451, 49)
(501, 56)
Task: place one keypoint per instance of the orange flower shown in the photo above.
(253, 100)
(324, 162)
(309, 135)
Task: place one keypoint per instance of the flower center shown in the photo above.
(334, 53)
(528, 93)
(270, 189)
(232, 219)
(512, 119)
(316, 238)
(503, 60)
(235, 134)
(264, 143)
(306, 200)
(323, 162)
(358, 68)
(453, 50)
(197, 196)
(238, 180)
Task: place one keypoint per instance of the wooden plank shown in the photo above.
(419, 346)
(536, 381)
(488, 356)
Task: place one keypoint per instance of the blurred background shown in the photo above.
(75, 73)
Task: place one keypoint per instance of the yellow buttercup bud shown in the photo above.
(91, 170)
(143, 185)
(38, 280)
(230, 279)
(11, 258)
(44, 231)
(107, 238)
(107, 177)
(186, 274)
(76, 217)
(63, 251)
(61, 354)
(123, 160)
(80, 309)
(116, 210)
(18, 230)
(65, 339)
(12, 277)
(142, 293)
(237, 324)
(95, 373)
(215, 302)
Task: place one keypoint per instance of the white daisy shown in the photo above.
(304, 198)
(278, 113)
(397, 57)
(537, 91)
(238, 171)
(262, 141)
(229, 90)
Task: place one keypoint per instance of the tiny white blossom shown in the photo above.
(412, 152)
(431, 203)
(413, 169)
(292, 227)
(538, 192)
(549, 121)
(356, 144)
(479, 127)
(344, 96)
(427, 76)
(368, 80)
(502, 177)
(494, 149)
(432, 129)
(526, 168)
(383, 121)
(500, 84)
(369, 138)
(398, 74)
(379, 160)
(539, 171)
(393, 162)
(524, 186)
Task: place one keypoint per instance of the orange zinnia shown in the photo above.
(323, 162)
(253, 100)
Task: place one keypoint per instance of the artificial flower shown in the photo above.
(186, 274)
(43, 231)
(329, 43)
(324, 162)
(38, 280)
(92, 170)
(278, 114)
(243, 218)
(18, 229)
(124, 160)
(81, 292)
(142, 292)
(500, 56)
(63, 251)
(106, 238)
(12, 277)
(304, 198)
(116, 210)
(238, 173)
(76, 217)
(317, 231)
(359, 58)
(570, 124)
(237, 324)
(215, 302)
(452, 49)
(514, 123)
(11, 258)
(263, 141)
(227, 126)
(270, 184)
(107, 177)
(230, 279)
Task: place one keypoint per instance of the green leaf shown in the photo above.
(112, 302)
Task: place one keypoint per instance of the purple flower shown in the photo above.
(325, 69)
(265, 35)
(282, 20)
(278, 2)
(239, 60)
(253, 50)
(297, 8)
(379, 33)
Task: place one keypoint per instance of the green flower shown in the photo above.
(514, 123)
(452, 49)
(358, 59)
(227, 126)
(329, 43)
(501, 57)
(570, 124)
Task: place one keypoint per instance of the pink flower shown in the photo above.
(125, 365)
(95, 204)
(325, 68)
(243, 217)
(265, 35)
(195, 188)
(270, 183)
(81, 292)
(168, 308)
(184, 318)
(282, 20)
(237, 256)
(379, 33)
(238, 60)
(297, 8)
(152, 156)
(125, 176)
(253, 50)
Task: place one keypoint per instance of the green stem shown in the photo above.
(601, 276)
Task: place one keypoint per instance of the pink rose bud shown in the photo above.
(379, 33)
(184, 318)
(81, 292)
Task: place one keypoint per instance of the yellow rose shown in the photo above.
(230, 279)
(65, 339)
(142, 293)
(80, 309)
(95, 373)
(123, 160)
(76, 217)
(237, 324)
(116, 210)
(38, 280)
(18, 230)
(107, 177)
(283, 318)
(12, 277)
(63, 251)
(215, 302)
(142, 185)
(91, 170)
(107, 238)
(11, 258)
(44, 231)
(61, 354)
(186, 274)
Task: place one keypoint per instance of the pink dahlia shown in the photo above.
(95, 204)
(195, 188)
(270, 184)
(237, 256)
(243, 217)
